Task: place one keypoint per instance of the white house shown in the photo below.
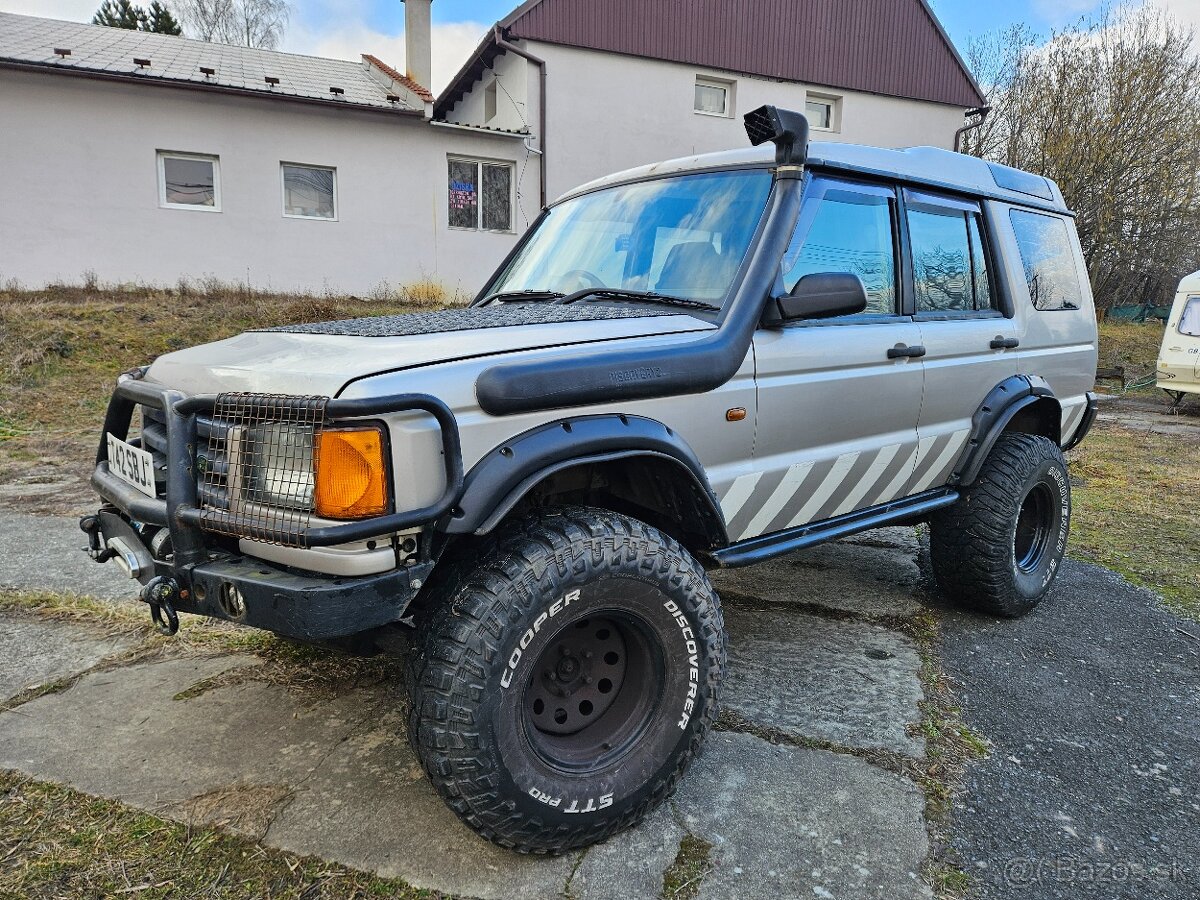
(151, 158)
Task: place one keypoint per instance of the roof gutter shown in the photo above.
(159, 81)
(503, 44)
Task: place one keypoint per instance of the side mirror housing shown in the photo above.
(824, 295)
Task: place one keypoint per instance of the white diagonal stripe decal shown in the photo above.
(854, 498)
(941, 462)
(823, 493)
(897, 484)
(737, 495)
(786, 490)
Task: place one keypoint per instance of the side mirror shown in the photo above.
(824, 295)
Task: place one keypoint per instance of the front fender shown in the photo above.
(498, 481)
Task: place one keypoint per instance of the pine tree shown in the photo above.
(158, 19)
(119, 14)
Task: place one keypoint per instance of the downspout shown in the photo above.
(982, 112)
(503, 44)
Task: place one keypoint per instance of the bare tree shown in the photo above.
(1110, 109)
(247, 23)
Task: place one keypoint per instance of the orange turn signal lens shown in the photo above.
(351, 474)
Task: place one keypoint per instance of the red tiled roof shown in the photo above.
(387, 70)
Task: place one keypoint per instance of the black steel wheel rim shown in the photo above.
(1035, 522)
(593, 691)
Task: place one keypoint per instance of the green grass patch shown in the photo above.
(57, 842)
(684, 876)
(1135, 498)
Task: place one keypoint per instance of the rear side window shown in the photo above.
(950, 270)
(1049, 260)
(846, 227)
(1189, 322)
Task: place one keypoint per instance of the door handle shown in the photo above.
(1003, 343)
(900, 351)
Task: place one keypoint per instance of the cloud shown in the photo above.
(452, 44)
(1185, 11)
(72, 10)
(1061, 12)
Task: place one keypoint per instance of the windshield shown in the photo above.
(683, 236)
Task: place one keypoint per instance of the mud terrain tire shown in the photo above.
(999, 547)
(564, 677)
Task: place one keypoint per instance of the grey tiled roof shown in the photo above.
(96, 49)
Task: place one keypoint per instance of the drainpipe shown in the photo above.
(503, 44)
(982, 112)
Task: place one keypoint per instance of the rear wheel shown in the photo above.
(565, 677)
(999, 547)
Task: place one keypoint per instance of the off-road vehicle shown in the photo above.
(706, 362)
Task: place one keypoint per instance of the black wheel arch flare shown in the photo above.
(1027, 396)
(507, 473)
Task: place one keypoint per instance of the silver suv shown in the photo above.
(703, 363)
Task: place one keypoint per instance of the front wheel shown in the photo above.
(999, 547)
(565, 678)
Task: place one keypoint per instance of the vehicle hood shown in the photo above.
(321, 359)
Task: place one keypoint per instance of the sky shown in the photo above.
(348, 28)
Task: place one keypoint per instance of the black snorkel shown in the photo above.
(603, 376)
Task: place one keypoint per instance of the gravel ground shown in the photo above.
(1092, 704)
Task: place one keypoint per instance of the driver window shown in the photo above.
(846, 227)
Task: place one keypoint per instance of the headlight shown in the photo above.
(337, 473)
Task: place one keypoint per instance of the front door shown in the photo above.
(836, 428)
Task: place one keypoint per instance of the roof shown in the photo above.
(391, 73)
(100, 51)
(930, 166)
(891, 47)
(1190, 282)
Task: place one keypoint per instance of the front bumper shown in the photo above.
(163, 539)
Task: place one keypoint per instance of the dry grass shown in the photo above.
(1135, 497)
(56, 842)
(1134, 347)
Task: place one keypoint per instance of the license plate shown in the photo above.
(132, 465)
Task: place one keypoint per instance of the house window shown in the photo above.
(309, 192)
(189, 181)
(714, 97)
(822, 112)
(489, 101)
(480, 195)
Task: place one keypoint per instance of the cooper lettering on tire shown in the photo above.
(566, 678)
(999, 547)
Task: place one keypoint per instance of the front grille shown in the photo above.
(255, 464)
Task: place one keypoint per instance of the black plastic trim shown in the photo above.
(1085, 424)
(998, 409)
(498, 481)
(768, 546)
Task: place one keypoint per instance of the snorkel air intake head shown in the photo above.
(786, 129)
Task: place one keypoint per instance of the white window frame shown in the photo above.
(164, 155)
(834, 102)
(721, 83)
(479, 162)
(283, 192)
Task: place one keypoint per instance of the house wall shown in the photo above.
(81, 176)
(607, 112)
(516, 97)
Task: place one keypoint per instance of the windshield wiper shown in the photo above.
(643, 296)
(535, 296)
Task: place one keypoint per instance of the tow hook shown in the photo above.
(90, 525)
(161, 593)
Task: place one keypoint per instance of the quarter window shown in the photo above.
(1048, 257)
(309, 192)
(950, 271)
(714, 97)
(480, 195)
(846, 227)
(189, 181)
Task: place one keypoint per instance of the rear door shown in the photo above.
(836, 428)
(970, 346)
